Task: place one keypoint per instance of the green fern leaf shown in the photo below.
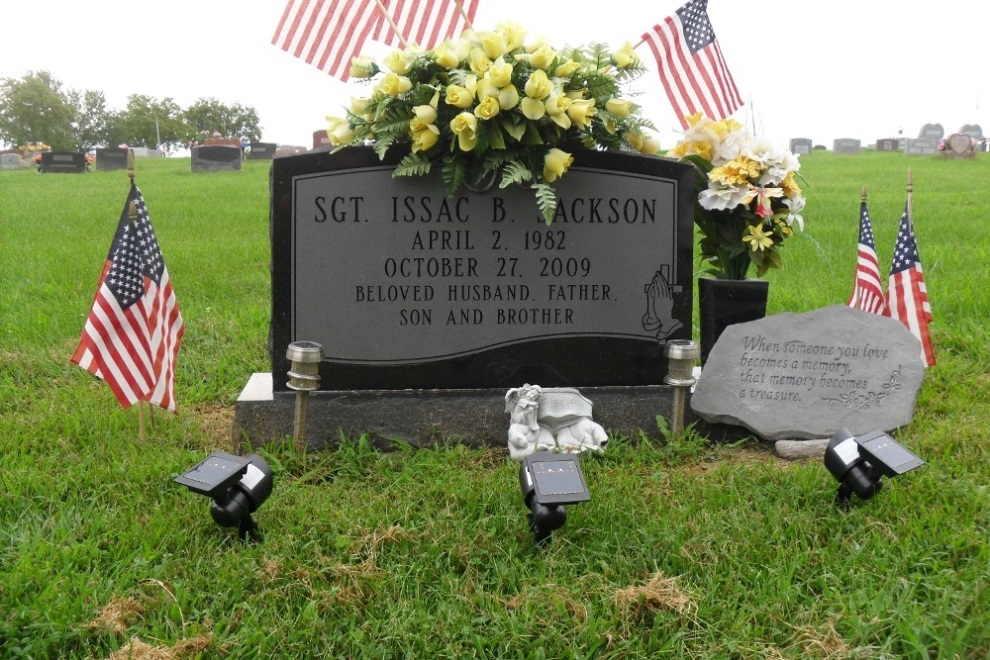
(453, 173)
(546, 199)
(414, 164)
(515, 172)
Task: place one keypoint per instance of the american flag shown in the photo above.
(690, 63)
(907, 296)
(425, 23)
(326, 33)
(132, 336)
(867, 292)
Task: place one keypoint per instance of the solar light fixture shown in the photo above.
(549, 482)
(304, 377)
(681, 354)
(860, 463)
(238, 485)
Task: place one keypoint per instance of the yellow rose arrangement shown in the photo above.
(490, 104)
(748, 202)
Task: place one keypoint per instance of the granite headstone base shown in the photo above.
(424, 418)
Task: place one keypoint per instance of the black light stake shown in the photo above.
(860, 463)
(238, 485)
(549, 482)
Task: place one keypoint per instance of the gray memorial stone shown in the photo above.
(958, 145)
(10, 161)
(888, 144)
(216, 158)
(63, 161)
(801, 146)
(932, 132)
(846, 146)
(262, 151)
(972, 130)
(111, 159)
(920, 147)
(807, 375)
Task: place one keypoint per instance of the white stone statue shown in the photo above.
(551, 419)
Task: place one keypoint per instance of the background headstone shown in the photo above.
(958, 145)
(216, 158)
(887, 144)
(801, 146)
(10, 161)
(262, 150)
(920, 147)
(111, 159)
(932, 132)
(321, 140)
(807, 375)
(846, 146)
(63, 162)
(147, 152)
(972, 130)
(288, 150)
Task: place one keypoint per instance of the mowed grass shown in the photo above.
(686, 549)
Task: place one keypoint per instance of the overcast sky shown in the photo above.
(815, 69)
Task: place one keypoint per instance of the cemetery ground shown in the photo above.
(687, 549)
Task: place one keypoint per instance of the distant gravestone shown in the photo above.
(888, 144)
(147, 152)
(846, 146)
(794, 376)
(216, 158)
(111, 159)
(801, 146)
(10, 161)
(972, 130)
(63, 162)
(262, 151)
(958, 146)
(288, 150)
(920, 147)
(320, 139)
(932, 132)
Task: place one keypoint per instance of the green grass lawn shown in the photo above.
(686, 549)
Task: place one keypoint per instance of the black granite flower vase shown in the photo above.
(722, 303)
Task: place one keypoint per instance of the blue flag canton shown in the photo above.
(866, 228)
(698, 30)
(906, 248)
(135, 255)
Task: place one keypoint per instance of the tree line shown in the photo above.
(37, 108)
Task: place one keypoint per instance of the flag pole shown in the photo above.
(388, 17)
(862, 196)
(132, 215)
(464, 14)
(910, 194)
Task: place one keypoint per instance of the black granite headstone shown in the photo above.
(63, 161)
(262, 151)
(111, 159)
(216, 158)
(406, 288)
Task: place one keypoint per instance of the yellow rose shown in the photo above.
(566, 69)
(500, 72)
(425, 138)
(533, 109)
(394, 84)
(360, 106)
(508, 97)
(465, 127)
(459, 97)
(339, 131)
(488, 108)
(362, 67)
(555, 163)
(618, 107)
(445, 56)
(557, 105)
(479, 61)
(399, 62)
(425, 116)
(493, 43)
(543, 56)
(513, 34)
(581, 112)
(538, 86)
(645, 145)
(625, 57)
(485, 88)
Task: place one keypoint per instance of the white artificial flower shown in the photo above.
(719, 197)
(794, 207)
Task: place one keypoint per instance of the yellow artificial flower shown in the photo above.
(538, 86)
(581, 113)
(643, 144)
(488, 108)
(485, 88)
(790, 187)
(555, 163)
(757, 239)
(557, 106)
(513, 34)
(445, 56)
(625, 56)
(425, 116)
(500, 72)
(362, 67)
(508, 97)
(459, 97)
(359, 106)
(393, 84)
(399, 62)
(493, 44)
(737, 172)
(543, 57)
(619, 107)
(339, 131)
(533, 109)
(478, 61)
(425, 137)
(566, 69)
(465, 127)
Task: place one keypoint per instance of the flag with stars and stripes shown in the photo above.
(867, 292)
(132, 335)
(326, 33)
(690, 63)
(907, 295)
(425, 23)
